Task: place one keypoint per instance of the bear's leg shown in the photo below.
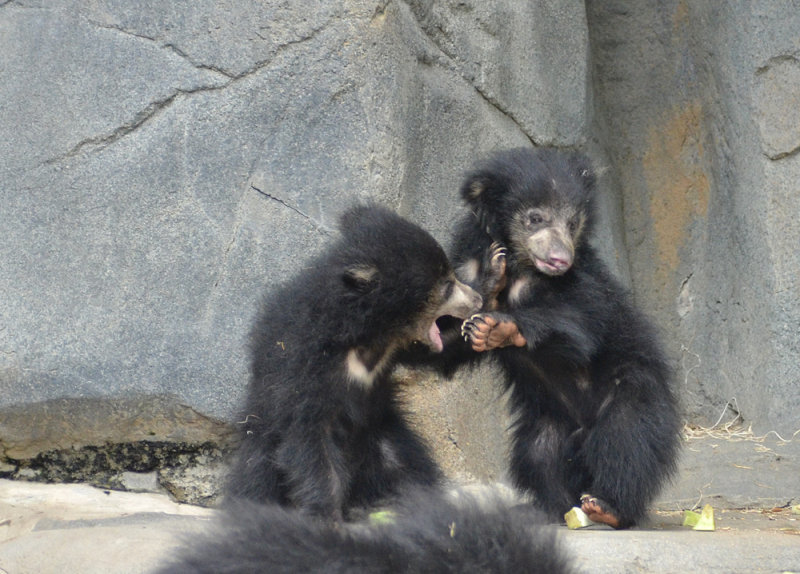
(318, 473)
(394, 456)
(254, 475)
(628, 464)
(539, 463)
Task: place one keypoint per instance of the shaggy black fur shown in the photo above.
(427, 534)
(591, 395)
(324, 431)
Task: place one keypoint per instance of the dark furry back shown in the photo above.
(428, 533)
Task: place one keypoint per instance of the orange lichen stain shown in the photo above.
(681, 16)
(678, 185)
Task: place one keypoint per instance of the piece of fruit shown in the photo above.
(381, 517)
(690, 518)
(706, 521)
(576, 518)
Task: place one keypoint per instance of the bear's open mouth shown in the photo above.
(441, 332)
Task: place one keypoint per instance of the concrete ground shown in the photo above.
(750, 482)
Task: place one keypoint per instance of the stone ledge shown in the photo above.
(138, 444)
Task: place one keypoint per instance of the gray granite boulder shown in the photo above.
(696, 105)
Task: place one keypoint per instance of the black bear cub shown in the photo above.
(595, 418)
(323, 429)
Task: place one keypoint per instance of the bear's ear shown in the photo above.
(486, 187)
(362, 278)
(483, 191)
(480, 188)
(473, 189)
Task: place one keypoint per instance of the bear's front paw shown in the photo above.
(487, 331)
(475, 331)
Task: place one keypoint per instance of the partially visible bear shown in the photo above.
(323, 429)
(427, 532)
(595, 417)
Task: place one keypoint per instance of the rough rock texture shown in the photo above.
(696, 105)
(464, 420)
(144, 444)
(163, 164)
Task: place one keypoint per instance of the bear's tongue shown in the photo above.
(435, 337)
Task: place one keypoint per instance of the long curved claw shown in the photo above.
(497, 251)
(469, 326)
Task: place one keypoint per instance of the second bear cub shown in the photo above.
(596, 420)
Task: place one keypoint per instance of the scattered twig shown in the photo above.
(732, 430)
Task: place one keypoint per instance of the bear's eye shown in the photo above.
(534, 218)
(573, 226)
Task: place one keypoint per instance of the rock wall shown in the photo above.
(163, 164)
(696, 105)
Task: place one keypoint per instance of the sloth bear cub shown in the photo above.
(323, 429)
(426, 534)
(595, 417)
